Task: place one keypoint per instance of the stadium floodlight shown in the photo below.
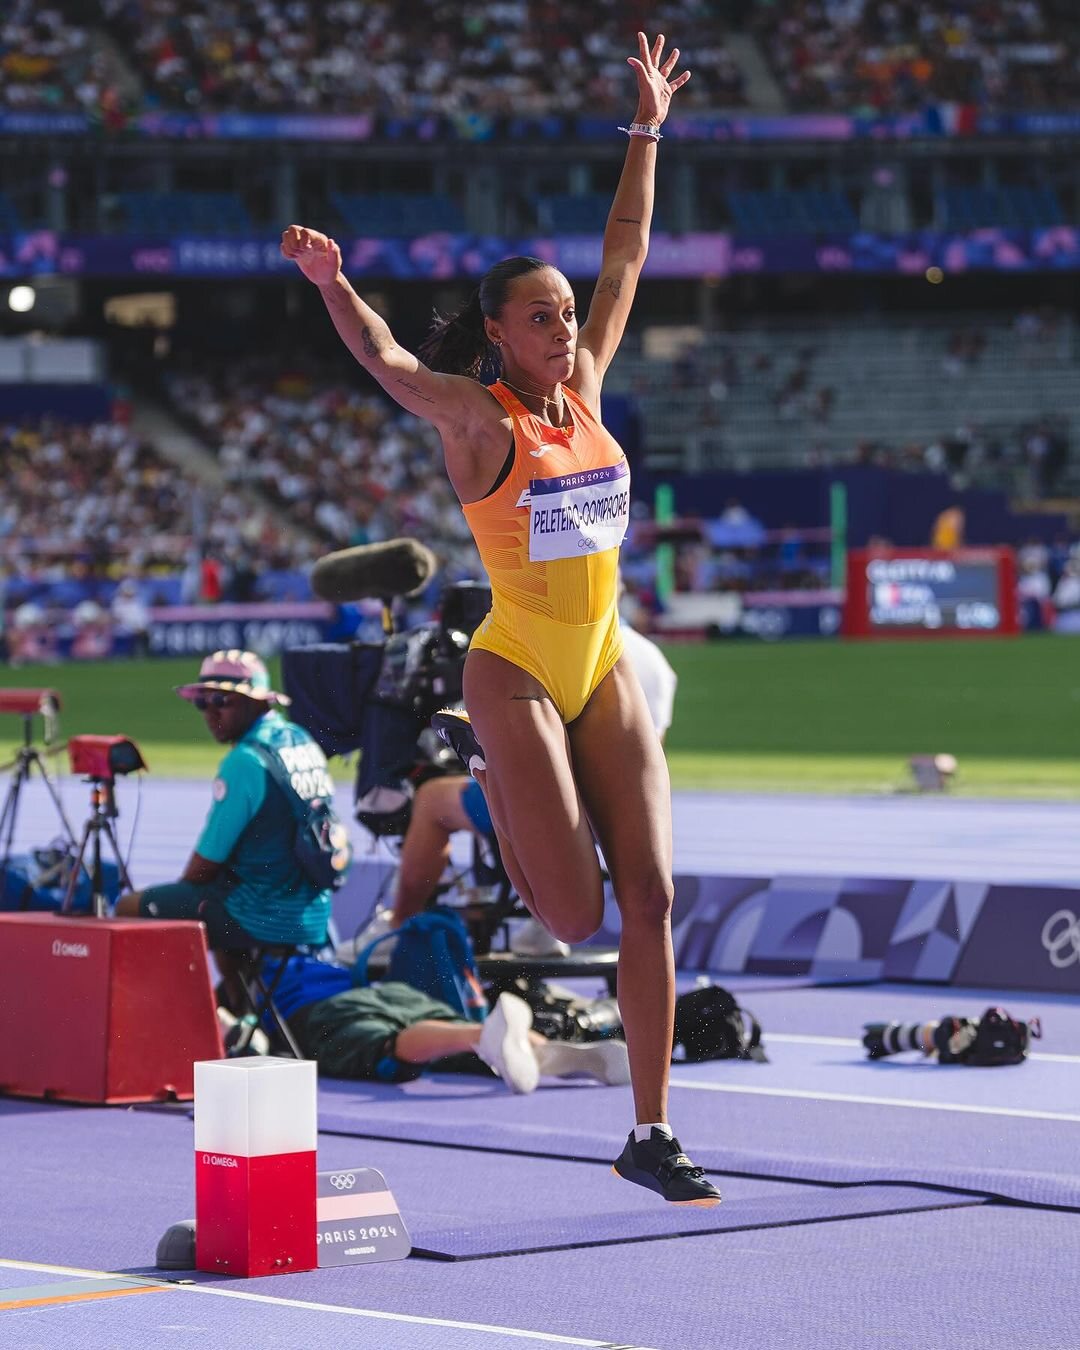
(22, 299)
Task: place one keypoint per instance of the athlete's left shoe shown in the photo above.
(659, 1164)
(452, 725)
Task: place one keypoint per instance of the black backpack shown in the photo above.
(709, 1024)
(322, 848)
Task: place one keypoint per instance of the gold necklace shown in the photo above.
(532, 393)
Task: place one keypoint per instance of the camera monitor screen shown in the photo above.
(928, 592)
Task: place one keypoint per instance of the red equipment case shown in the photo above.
(104, 1010)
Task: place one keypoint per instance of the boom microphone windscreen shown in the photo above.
(373, 571)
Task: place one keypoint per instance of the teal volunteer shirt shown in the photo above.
(251, 828)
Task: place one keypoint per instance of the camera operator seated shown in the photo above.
(442, 806)
(243, 880)
(390, 1032)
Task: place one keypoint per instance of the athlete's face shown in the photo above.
(537, 327)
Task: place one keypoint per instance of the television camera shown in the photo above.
(379, 698)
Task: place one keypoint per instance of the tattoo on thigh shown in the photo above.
(528, 698)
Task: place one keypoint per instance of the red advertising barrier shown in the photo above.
(913, 592)
(103, 1010)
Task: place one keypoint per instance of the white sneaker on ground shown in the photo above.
(606, 1061)
(380, 923)
(533, 939)
(505, 1046)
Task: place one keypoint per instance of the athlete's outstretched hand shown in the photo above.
(655, 87)
(316, 255)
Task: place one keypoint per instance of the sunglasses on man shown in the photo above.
(204, 701)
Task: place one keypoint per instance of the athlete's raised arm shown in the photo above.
(626, 237)
(444, 400)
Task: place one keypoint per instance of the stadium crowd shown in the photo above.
(48, 62)
(516, 58)
(347, 465)
(511, 57)
(894, 56)
(94, 503)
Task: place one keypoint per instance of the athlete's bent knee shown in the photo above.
(646, 903)
(574, 928)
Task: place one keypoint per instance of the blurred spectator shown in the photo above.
(3, 611)
(1066, 599)
(211, 587)
(948, 529)
(1033, 590)
(132, 616)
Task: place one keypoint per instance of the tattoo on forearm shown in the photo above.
(368, 342)
(612, 284)
(627, 220)
(415, 389)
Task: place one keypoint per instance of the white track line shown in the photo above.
(874, 1101)
(318, 1307)
(794, 1038)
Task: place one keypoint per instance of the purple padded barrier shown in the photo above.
(464, 1240)
(867, 928)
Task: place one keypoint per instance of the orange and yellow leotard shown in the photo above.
(548, 536)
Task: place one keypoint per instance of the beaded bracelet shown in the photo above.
(642, 129)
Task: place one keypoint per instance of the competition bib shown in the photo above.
(580, 513)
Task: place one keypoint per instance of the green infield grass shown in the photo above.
(796, 717)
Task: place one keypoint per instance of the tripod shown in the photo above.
(100, 822)
(25, 760)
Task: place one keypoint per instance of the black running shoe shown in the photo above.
(660, 1165)
(454, 727)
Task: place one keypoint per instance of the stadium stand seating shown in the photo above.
(398, 215)
(967, 208)
(200, 213)
(786, 394)
(766, 214)
(10, 222)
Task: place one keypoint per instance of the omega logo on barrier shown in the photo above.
(344, 1181)
(70, 948)
(1061, 938)
(217, 1160)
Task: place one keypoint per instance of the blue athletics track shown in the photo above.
(895, 1204)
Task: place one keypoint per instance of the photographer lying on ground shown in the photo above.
(391, 1032)
(243, 879)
